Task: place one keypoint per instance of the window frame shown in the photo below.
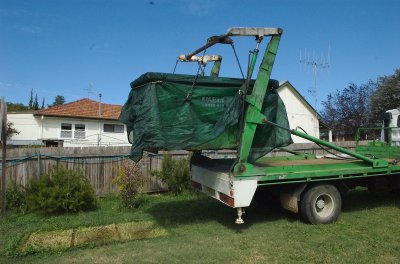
(114, 128)
(66, 130)
(73, 131)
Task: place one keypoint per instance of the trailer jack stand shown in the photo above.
(240, 212)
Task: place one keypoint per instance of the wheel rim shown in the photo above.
(324, 205)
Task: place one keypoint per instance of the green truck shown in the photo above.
(201, 113)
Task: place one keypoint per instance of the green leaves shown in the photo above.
(387, 96)
(60, 191)
(175, 173)
(361, 105)
(16, 197)
(130, 182)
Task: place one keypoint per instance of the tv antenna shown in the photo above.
(89, 90)
(316, 64)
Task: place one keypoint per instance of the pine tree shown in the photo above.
(42, 107)
(35, 105)
(30, 104)
(58, 100)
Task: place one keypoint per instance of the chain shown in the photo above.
(176, 64)
(237, 60)
(189, 94)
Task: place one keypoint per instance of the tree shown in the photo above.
(15, 107)
(348, 109)
(58, 100)
(11, 130)
(42, 107)
(35, 105)
(387, 95)
(30, 104)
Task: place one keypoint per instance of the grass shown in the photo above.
(202, 230)
(61, 240)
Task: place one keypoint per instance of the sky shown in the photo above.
(79, 49)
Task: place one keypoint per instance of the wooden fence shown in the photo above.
(101, 165)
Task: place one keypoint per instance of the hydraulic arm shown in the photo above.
(376, 163)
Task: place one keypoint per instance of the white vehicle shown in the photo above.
(391, 120)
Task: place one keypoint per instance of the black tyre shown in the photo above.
(321, 204)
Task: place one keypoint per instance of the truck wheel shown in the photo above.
(321, 204)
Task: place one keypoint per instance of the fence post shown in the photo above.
(39, 167)
(3, 132)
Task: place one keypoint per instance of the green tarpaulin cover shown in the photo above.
(158, 115)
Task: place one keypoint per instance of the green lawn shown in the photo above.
(202, 230)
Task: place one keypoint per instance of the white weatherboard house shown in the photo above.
(300, 112)
(81, 123)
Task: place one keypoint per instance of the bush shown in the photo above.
(175, 173)
(130, 182)
(60, 191)
(16, 197)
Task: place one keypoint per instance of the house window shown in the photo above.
(66, 130)
(80, 132)
(112, 128)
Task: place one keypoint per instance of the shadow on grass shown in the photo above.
(203, 209)
(363, 199)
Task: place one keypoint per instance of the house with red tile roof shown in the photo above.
(81, 123)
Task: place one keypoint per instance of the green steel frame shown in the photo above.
(367, 161)
(377, 148)
(264, 170)
(253, 115)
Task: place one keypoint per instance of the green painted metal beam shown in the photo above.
(374, 162)
(256, 98)
(215, 69)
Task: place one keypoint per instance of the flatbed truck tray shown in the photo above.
(291, 175)
(284, 170)
(275, 170)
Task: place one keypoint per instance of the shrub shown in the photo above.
(130, 184)
(16, 197)
(175, 173)
(60, 191)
